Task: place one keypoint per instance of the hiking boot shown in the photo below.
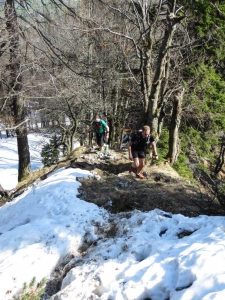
(140, 175)
(131, 171)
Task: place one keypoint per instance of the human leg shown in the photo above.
(141, 156)
(100, 140)
(134, 166)
(135, 162)
(141, 165)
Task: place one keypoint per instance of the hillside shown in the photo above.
(113, 188)
(79, 238)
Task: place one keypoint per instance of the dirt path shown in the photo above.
(116, 190)
(113, 188)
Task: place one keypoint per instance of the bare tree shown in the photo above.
(14, 88)
(174, 143)
(150, 27)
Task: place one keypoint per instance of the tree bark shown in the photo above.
(157, 97)
(220, 159)
(15, 86)
(174, 127)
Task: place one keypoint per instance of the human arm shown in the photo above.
(154, 150)
(107, 131)
(87, 131)
(129, 150)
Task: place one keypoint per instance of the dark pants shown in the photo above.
(138, 153)
(100, 138)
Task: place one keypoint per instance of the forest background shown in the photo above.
(140, 62)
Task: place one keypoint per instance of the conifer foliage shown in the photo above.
(50, 152)
(32, 291)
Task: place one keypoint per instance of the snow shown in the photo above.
(9, 158)
(126, 256)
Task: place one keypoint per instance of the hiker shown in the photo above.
(101, 129)
(137, 150)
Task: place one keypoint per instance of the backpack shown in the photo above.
(137, 135)
(98, 125)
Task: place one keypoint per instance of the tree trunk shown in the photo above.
(123, 122)
(220, 159)
(174, 127)
(157, 97)
(146, 73)
(112, 120)
(15, 86)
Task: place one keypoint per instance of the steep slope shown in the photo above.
(112, 187)
(115, 189)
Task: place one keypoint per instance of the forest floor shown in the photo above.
(113, 188)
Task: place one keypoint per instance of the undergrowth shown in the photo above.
(181, 165)
(221, 194)
(3, 200)
(32, 291)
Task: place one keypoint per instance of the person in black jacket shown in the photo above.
(137, 150)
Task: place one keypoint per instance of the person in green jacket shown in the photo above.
(101, 129)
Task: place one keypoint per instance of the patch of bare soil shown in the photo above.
(113, 188)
